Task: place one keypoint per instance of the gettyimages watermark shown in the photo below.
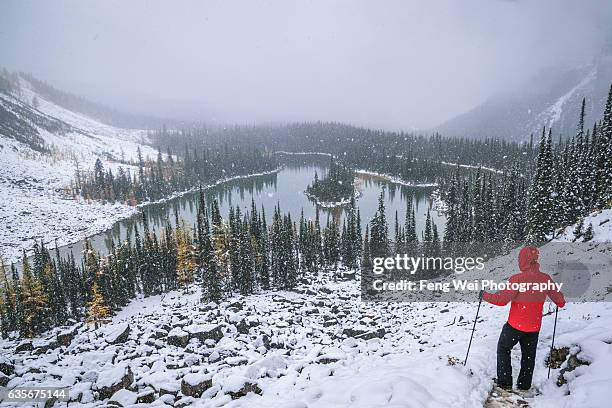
(458, 272)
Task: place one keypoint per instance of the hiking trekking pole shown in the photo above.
(473, 328)
(552, 346)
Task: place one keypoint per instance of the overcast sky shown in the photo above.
(391, 64)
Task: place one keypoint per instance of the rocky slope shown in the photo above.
(319, 346)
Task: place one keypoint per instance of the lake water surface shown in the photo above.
(285, 187)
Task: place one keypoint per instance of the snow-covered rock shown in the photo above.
(6, 366)
(194, 384)
(123, 398)
(204, 332)
(164, 382)
(117, 333)
(113, 379)
(64, 338)
(237, 386)
(178, 337)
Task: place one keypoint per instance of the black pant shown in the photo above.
(529, 344)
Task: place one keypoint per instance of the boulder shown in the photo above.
(123, 398)
(243, 327)
(246, 388)
(194, 384)
(178, 337)
(159, 334)
(43, 346)
(4, 380)
(112, 380)
(573, 362)
(363, 333)
(557, 357)
(164, 382)
(331, 322)
(184, 402)
(237, 386)
(117, 334)
(348, 275)
(50, 402)
(146, 397)
(65, 337)
(6, 366)
(204, 332)
(24, 346)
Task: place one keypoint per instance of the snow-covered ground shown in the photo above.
(32, 203)
(602, 228)
(317, 347)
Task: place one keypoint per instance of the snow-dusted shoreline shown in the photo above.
(215, 184)
(84, 219)
(394, 179)
(303, 153)
(472, 166)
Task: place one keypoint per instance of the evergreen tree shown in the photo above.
(588, 233)
(34, 303)
(604, 157)
(540, 218)
(379, 235)
(579, 230)
(366, 262)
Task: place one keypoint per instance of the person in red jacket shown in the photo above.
(524, 320)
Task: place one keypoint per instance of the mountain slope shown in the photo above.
(41, 147)
(551, 99)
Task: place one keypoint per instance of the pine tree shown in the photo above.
(451, 231)
(428, 235)
(212, 285)
(379, 235)
(604, 159)
(540, 217)
(579, 230)
(588, 233)
(265, 263)
(366, 262)
(9, 302)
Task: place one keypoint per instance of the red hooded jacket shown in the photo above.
(526, 307)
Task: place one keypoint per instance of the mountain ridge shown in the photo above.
(551, 99)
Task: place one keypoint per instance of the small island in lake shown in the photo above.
(335, 189)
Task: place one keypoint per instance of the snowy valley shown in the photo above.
(281, 204)
(32, 182)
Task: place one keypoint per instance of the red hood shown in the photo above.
(528, 259)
